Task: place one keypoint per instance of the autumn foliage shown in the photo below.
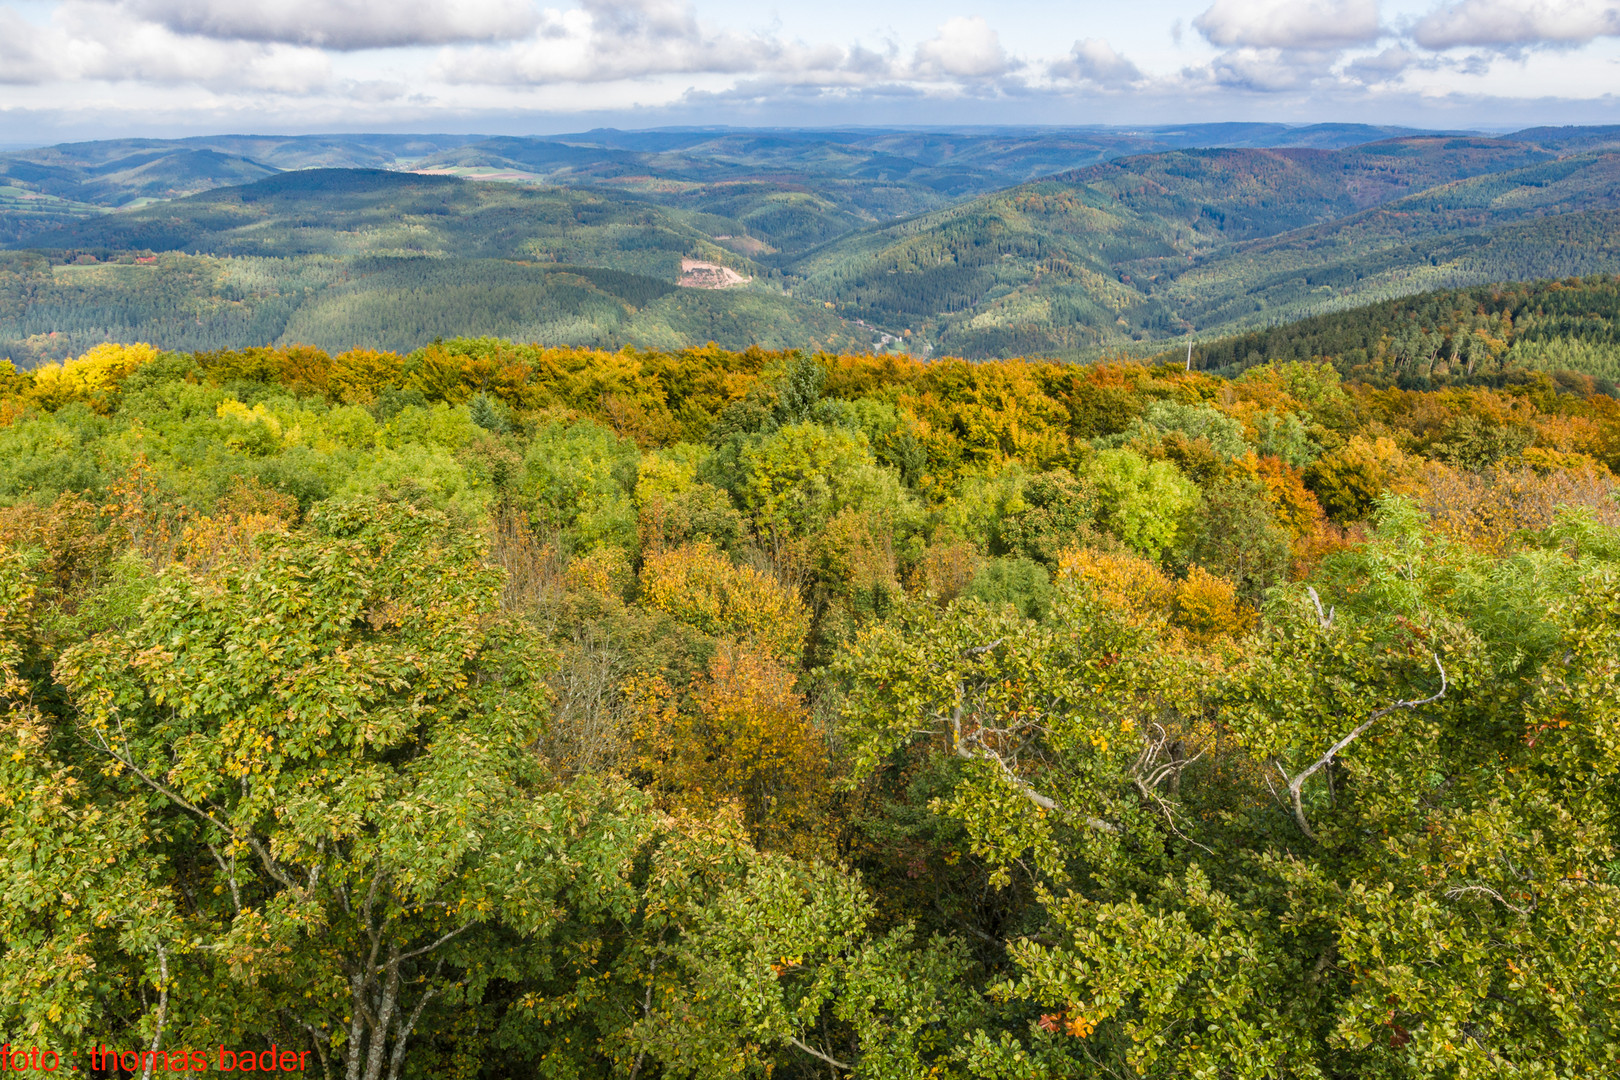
(524, 710)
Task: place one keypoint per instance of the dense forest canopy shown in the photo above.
(497, 710)
(1486, 333)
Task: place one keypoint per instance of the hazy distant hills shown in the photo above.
(982, 242)
(47, 187)
(342, 212)
(879, 173)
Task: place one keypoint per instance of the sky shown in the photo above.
(72, 69)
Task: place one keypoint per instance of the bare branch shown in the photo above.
(1325, 621)
(1463, 890)
(436, 944)
(1297, 783)
(1024, 787)
(162, 1012)
(813, 1052)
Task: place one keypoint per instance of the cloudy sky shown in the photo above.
(91, 68)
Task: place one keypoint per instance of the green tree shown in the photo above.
(330, 746)
(1144, 503)
(1391, 857)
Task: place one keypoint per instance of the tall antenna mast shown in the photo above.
(1189, 354)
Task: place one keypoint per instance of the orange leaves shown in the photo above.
(1068, 1023)
(1296, 508)
(741, 734)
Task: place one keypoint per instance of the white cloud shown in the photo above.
(245, 64)
(966, 47)
(28, 53)
(90, 41)
(1389, 64)
(1097, 61)
(604, 41)
(1270, 70)
(343, 24)
(1515, 23)
(612, 40)
(1290, 24)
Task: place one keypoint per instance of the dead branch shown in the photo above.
(1325, 621)
(972, 747)
(1297, 783)
(1457, 891)
(813, 1052)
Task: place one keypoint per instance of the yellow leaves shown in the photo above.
(1203, 605)
(1207, 607)
(1079, 1026)
(605, 571)
(231, 409)
(1127, 582)
(91, 378)
(698, 585)
(354, 376)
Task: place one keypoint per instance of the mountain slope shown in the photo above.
(341, 212)
(1200, 240)
(1483, 333)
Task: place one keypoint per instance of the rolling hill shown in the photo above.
(345, 257)
(1210, 240)
(793, 188)
(202, 302)
(344, 212)
(826, 227)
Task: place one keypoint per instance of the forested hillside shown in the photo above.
(798, 183)
(1211, 240)
(885, 240)
(337, 257)
(505, 710)
(1448, 337)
